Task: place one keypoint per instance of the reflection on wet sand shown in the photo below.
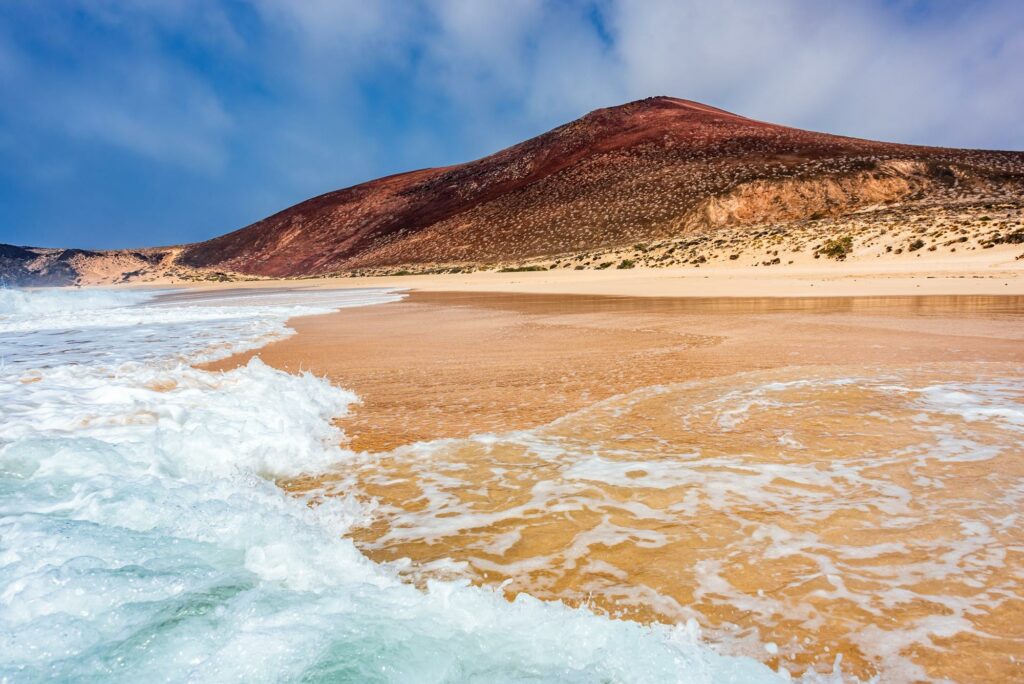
(932, 305)
(808, 479)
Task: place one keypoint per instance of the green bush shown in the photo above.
(626, 263)
(837, 248)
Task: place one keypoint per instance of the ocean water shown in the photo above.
(143, 536)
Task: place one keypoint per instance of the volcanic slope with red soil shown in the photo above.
(655, 169)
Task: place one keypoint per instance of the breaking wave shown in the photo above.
(142, 534)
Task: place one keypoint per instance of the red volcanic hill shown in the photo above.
(652, 169)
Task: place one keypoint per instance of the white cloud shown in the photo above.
(507, 69)
(854, 68)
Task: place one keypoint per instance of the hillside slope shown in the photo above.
(655, 169)
(658, 182)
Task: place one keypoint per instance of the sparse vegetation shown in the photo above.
(1014, 238)
(521, 269)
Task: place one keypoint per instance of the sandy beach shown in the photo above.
(996, 271)
(546, 443)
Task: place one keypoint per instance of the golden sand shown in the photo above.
(806, 478)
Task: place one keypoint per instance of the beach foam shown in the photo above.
(872, 514)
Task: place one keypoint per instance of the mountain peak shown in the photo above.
(664, 103)
(653, 169)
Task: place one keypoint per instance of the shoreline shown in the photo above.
(987, 274)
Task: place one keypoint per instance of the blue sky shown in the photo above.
(149, 122)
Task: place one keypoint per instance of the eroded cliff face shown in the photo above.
(821, 195)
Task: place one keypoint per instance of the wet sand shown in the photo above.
(440, 365)
(806, 478)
